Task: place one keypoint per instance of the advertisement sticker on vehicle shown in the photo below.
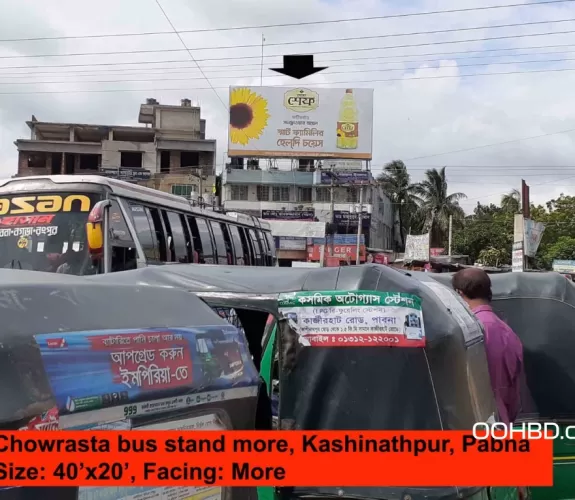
(354, 318)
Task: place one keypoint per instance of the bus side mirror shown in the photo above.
(95, 229)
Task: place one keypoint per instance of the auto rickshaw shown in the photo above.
(540, 308)
(75, 354)
(434, 378)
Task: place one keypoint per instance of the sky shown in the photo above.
(429, 109)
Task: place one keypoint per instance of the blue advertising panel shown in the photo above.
(118, 368)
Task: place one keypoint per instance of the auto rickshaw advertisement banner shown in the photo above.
(284, 122)
(354, 318)
(117, 368)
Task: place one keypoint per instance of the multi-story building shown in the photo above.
(309, 191)
(169, 152)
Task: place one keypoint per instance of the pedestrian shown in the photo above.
(502, 346)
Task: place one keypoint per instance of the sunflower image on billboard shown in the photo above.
(248, 116)
(284, 122)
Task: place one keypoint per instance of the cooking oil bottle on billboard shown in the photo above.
(347, 125)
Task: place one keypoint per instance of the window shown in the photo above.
(221, 249)
(178, 238)
(228, 242)
(164, 162)
(147, 237)
(184, 190)
(239, 193)
(266, 253)
(263, 193)
(247, 246)
(280, 193)
(198, 255)
(272, 247)
(160, 234)
(322, 195)
(304, 194)
(238, 246)
(89, 162)
(256, 246)
(206, 239)
(131, 159)
(124, 255)
(352, 195)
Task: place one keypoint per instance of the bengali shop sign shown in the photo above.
(287, 122)
(341, 252)
(354, 318)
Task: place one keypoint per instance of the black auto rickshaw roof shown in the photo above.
(356, 388)
(33, 302)
(540, 308)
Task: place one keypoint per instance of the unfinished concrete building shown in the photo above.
(171, 145)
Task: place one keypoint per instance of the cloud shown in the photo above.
(426, 107)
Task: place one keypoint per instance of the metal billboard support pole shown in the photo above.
(359, 224)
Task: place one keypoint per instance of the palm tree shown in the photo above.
(511, 202)
(396, 182)
(437, 205)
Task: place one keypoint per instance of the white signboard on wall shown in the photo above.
(285, 122)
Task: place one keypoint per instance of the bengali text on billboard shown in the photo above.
(301, 122)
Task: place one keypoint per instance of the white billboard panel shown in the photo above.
(284, 122)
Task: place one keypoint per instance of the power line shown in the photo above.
(492, 144)
(129, 63)
(372, 70)
(190, 54)
(167, 69)
(347, 82)
(331, 40)
(304, 23)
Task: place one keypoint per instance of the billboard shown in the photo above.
(284, 122)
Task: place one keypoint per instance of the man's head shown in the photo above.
(474, 286)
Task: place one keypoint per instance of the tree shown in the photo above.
(396, 182)
(559, 219)
(486, 235)
(437, 205)
(511, 202)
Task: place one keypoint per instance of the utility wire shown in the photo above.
(347, 82)
(190, 54)
(336, 40)
(281, 55)
(169, 69)
(203, 77)
(304, 23)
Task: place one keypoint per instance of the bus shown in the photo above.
(84, 225)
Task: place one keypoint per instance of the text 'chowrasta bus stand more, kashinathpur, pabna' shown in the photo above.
(540, 307)
(423, 385)
(61, 367)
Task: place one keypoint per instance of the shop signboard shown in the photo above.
(341, 178)
(288, 215)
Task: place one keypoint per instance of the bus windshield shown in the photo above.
(46, 232)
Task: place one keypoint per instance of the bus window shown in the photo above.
(220, 243)
(158, 227)
(272, 247)
(256, 246)
(206, 239)
(124, 256)
(266, 252)
(228, 242)
(177, 241)
(247, 247)
(198, 254)
(143, 224)
(237, 244)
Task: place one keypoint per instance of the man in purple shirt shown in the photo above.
(503, 348)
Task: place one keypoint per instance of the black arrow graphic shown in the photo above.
(298, 66)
